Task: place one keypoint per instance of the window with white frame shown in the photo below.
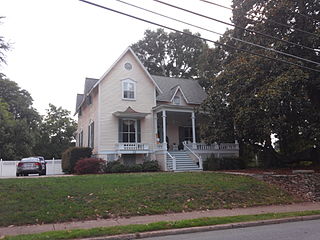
(128, 89)
(91, 135)
(129, 130)
(80, 139)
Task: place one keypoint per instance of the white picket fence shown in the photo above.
(8, 168)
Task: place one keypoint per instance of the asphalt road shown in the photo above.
(305, 230)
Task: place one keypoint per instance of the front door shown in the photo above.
(185, 134)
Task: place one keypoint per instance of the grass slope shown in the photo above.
(165, 225)
(47, 200)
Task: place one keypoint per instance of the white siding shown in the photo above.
(111, 101)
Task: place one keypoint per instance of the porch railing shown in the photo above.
(132, 146)
(197, 156)
(161, 146)
(213, 147)
(174, 162)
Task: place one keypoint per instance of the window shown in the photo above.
(128, 89)
(177, 100)
(129, 130)
(80, 139)
(91, 135)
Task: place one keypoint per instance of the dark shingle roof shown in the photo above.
(191, 89)
(79, 101)
(89, 83)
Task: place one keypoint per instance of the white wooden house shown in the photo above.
(132, 116)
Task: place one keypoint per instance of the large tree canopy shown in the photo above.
(170, 54)
(262, 98)
(56, 132)
(19, 121)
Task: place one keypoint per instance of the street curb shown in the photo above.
(204, 228)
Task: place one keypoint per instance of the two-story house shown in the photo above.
(132, 116)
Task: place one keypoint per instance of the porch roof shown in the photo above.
(130, 113)
(173, 108)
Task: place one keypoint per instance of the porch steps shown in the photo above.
(184, 162)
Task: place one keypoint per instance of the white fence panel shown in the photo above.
(8, 168)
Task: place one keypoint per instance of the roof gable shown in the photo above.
(138, 61)
(177, 89)
(191, 89)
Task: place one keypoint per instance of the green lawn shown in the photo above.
(47, 200)
(165, 225)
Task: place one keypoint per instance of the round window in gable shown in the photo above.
(128, 66)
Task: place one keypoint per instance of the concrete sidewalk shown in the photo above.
(16, 230)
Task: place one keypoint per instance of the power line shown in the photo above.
(205, 39)
(236, 26)
(267, 20)
(208, 30)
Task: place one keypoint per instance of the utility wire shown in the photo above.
(267, 20)
(205, 39)
(208, 30)
(236, 26)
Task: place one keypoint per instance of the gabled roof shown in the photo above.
(139, 62)
(80, 98)
(190, 89)
(89, 83)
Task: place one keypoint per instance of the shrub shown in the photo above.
(150, 166)
(90, 166)
(135, 168)
(72, 155)
(117, 167)
(213, 163)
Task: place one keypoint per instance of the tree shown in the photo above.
(4, 46)
(170, 54)
(266, 98)
(19, 121)
(56, 133)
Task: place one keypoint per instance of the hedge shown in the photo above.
(72, 155)
(90, 166)
(117, 167)
(212, 163)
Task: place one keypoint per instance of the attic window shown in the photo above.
(128, 66)
(176, 100)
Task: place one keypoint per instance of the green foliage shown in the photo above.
(56, 133)
(111, 195)
(255, 98)
(170, 54)
(90, 166)
(4, 46)
(212, 164)
(147, 166)
(19, 121)
(157, 226)
(72, 155)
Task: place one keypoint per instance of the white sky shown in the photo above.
(56, 44)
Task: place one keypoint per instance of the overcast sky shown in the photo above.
(56, 44)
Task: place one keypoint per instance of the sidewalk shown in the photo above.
(16, 230)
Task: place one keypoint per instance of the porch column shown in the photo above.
(164, 127)
(193, 118)
(156, 126)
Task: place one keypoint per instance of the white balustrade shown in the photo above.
(132, 146)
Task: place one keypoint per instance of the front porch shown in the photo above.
(178, 144)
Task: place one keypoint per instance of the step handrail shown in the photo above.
(198, 157)
(174, 162)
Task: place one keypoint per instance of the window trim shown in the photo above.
(91, 134)
(128, 80)
(137, 133)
